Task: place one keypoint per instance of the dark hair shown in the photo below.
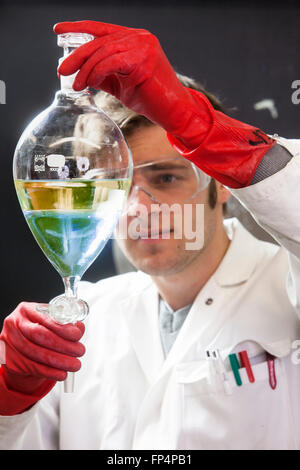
(129, 120)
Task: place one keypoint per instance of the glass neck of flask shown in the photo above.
(69, 42)
(66, 82)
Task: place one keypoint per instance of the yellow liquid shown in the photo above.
(67, 195)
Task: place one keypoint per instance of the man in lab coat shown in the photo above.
(146, 380)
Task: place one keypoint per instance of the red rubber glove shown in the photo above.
(131, 65)
(38, 352)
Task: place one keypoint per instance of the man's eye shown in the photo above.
(167, 178)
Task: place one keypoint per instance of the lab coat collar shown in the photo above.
(241, 248)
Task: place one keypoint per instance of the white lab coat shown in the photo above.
(128, 397)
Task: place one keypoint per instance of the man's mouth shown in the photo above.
(155, 235)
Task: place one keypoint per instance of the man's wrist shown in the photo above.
(273, 161)
(13, 402)
(21, 383)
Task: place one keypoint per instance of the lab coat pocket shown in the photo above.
(250, 416)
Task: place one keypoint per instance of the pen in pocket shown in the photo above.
(246, 363)
(211, 368)
(222, 371)
(272, 372)
(235, 368)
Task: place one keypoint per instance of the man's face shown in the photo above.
(159, 256)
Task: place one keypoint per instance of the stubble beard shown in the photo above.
(156, 263)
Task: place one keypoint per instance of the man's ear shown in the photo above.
(223, 193)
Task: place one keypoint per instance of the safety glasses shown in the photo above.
(173, 180)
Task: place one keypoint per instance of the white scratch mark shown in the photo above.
(267, 104)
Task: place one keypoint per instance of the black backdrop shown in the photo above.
(242, 51)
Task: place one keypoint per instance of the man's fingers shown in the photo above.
(26, 350)
(84, 56)
(42, 336)
(95, 28)
(69, 331)
(112, 51)
(75, 60)
(80, 326)
(32, 368)
(110, 65)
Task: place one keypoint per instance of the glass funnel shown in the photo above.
(72, 171)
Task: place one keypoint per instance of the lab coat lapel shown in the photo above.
(199, 326)
(141, 315)
(205, 321)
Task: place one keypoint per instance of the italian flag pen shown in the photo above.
(246, 363)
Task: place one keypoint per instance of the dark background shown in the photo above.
(242, 51)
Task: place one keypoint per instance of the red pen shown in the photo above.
(246, 363)
(272, 372)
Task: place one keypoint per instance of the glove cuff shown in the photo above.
(230, 152)
(13, 402)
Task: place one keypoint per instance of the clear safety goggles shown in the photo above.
(175, 180)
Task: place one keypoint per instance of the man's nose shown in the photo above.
(140, 196)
